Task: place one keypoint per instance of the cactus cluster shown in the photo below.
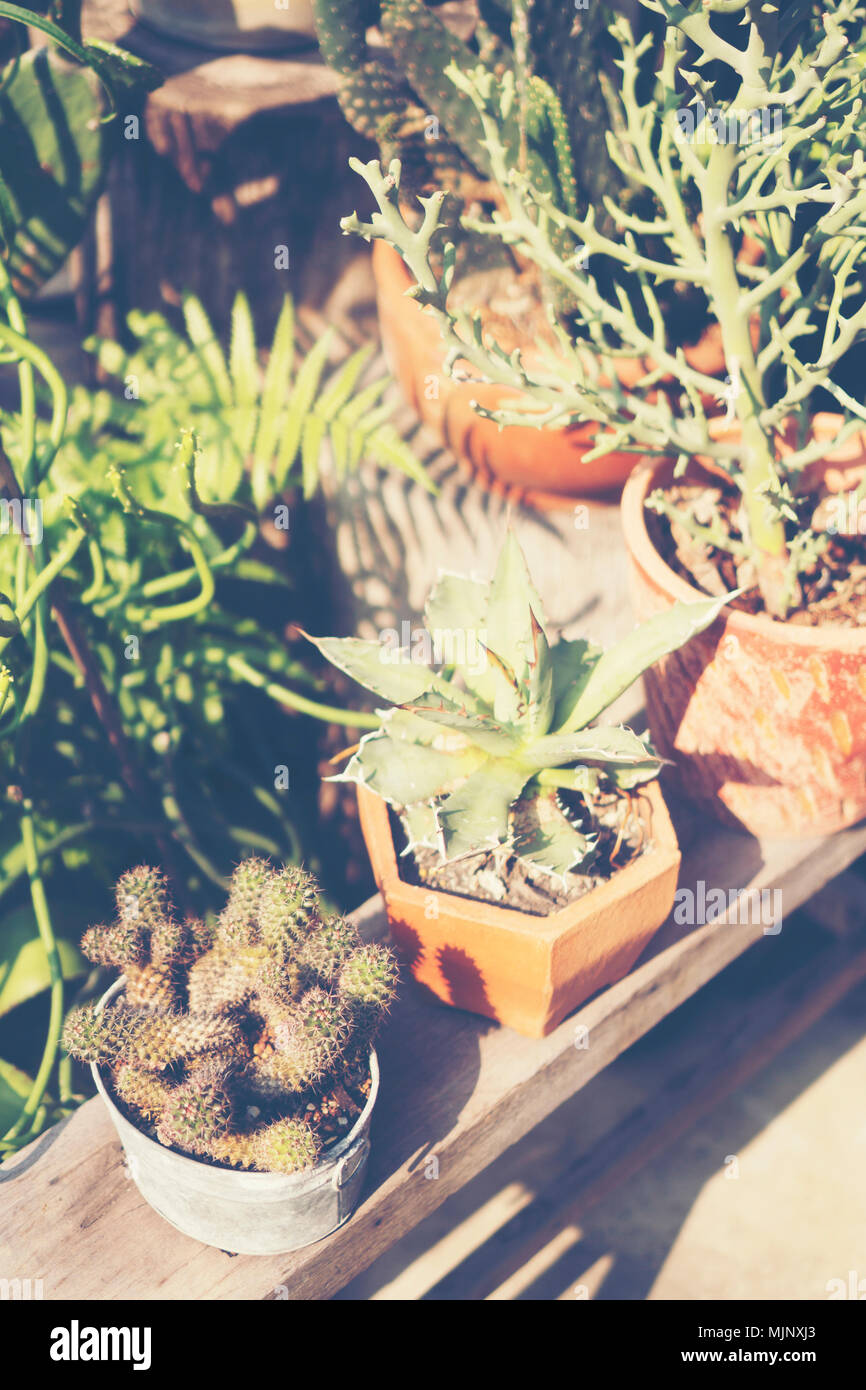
(400, 98)
(228, 1035)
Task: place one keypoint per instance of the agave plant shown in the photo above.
(474, 754)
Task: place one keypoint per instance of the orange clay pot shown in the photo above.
(524, 971)
(766, 721)
(543, 468)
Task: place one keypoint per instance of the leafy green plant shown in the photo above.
(271, 1008)
(59, 106)
(474, 754)
(142, 626)
(786, 323)
(272, 423)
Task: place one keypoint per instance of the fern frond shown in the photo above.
(248, 423)
(207, 345)
(387, 448)
(345, 379)
(278, 379)
(311, 448)
(300, 406)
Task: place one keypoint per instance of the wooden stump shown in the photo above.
(235, 177)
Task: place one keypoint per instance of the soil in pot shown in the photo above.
(497, 876)
(833, 591)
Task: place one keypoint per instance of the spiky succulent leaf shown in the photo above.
(620, 667)
(486, 730)
(547, 839)
(539, 683)
(456, 614)
(380, 669)
(596, 745)
(403, 773)
(421, 825)
(477, 815)
(511, 603)
(573, 662)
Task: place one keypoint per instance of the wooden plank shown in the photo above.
(841, 906)
(454, 1088)
(734, 1045)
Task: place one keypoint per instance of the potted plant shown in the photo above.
(256, 26)
(236, 1059)
(556, 134)
(524, 852)
(765, 714)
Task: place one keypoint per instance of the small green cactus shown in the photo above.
(325, 950)
(289, 906)
(222, 1039)
(142, 897)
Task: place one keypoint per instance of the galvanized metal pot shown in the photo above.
(251, 25)
(247, 1213)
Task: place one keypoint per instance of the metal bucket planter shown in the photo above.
(247, 1213)
(255, 26)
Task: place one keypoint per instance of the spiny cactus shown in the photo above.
(226, 1037)
(412, 111)
(475, 754)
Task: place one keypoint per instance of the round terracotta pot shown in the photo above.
(544, 468)
(765, 720)
(525, 971)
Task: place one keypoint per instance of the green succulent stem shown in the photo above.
(331, 714)
(28, 1117)
(757, 461)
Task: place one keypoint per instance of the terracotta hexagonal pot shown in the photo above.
(525, 971)
(765, 720)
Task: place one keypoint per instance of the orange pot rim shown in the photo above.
(376, 825)
(657, 570)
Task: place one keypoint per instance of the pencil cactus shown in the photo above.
(474, 754)
(222, 1039)
(795, 181)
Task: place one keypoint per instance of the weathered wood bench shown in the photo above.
(454, 1087)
